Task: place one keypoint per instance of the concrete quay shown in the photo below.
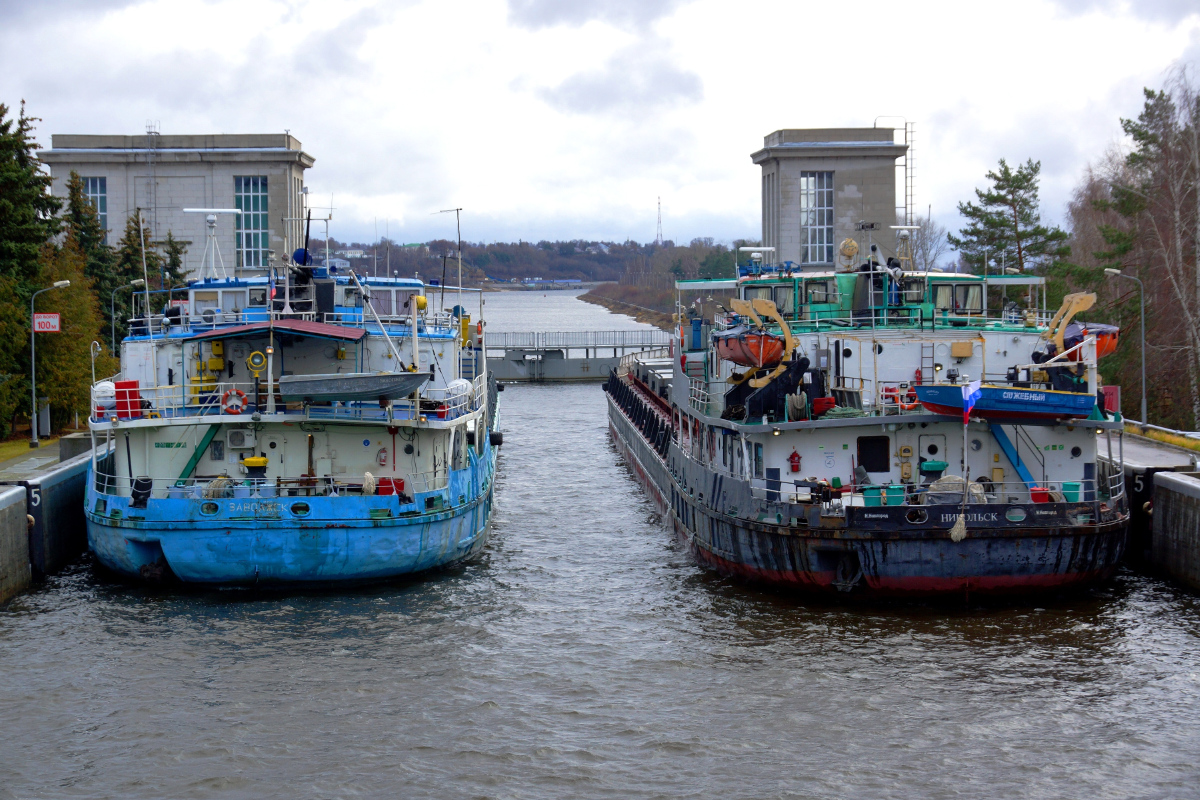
(42, 526)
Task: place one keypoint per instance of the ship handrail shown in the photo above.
(761, 489)
(116, 485)
(196, 399)
(540, 340)
(153, 325)
(627, 360)
(940, 320)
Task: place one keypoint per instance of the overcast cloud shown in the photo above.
(569, 119)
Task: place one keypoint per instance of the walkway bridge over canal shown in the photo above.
(561, 356)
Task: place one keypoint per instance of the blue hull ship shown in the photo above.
(310, 429)
(255, 540)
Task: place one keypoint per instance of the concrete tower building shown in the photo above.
(820, 185)
(261, 174)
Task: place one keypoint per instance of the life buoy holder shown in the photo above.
(234, 401)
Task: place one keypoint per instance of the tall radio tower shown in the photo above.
(658, 239)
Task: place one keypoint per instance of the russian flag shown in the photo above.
(971, 393)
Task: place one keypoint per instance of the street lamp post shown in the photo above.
(113, 309)
(33, 417)
(1142, 290)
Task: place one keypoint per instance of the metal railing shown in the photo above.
(627, 360)
(542, 340)
(1106, 495)
(210, 320)
(215, 487)
(899, 316)
(206, 398)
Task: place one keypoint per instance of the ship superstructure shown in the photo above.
(298, 426)
(812, 433)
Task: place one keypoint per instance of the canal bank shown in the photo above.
(42, 527)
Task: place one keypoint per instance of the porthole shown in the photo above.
(300, 509)
(1015, 514)
(272, 445)
(1076, 451)
(976, 445)
(879, 349)
(846, 353)
(917, 516)
(209, 508)
(932, 449)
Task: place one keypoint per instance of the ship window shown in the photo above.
(258, 297)
(758, 460)
(874, 453)
(785, 300)
(203, 301)
(821, 291)
(381, 301)
(233, 301)
(352, 298)
(402, 302)
(943, 297)
(216, 450)
(968, 298)
(755, 292)
(914, 290)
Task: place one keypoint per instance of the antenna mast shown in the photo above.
(658, 238)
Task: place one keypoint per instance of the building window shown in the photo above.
(816, 217)
(96, 190)
(250, 197)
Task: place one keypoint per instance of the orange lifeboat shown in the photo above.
(1107, 337)
(749, 347)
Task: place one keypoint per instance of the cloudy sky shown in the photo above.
(567, 119)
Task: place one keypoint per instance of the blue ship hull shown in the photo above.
(256, 541)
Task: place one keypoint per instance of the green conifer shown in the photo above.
(27, 209)
(1006, 225)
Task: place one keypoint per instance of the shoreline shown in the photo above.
(659, 319)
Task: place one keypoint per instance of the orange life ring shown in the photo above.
(231, 408)
(909, 402)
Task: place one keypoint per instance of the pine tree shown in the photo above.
(83, 223)
(171, 265)
(14, 355)
(128, 267)
(64, 359)
(27, 210)
(1006, 226)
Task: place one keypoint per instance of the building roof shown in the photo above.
(829, 143)
(67, 147)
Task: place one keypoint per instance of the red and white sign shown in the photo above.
(46, 323)
(181, 304)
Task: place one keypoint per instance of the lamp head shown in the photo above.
(1111, 271)
(137, 282)
(61, 284)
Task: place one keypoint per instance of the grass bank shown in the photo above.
(651, 306)
(1182, 442)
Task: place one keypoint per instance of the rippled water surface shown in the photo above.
(586, 655)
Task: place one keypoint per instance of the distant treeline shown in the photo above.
(504, 261)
